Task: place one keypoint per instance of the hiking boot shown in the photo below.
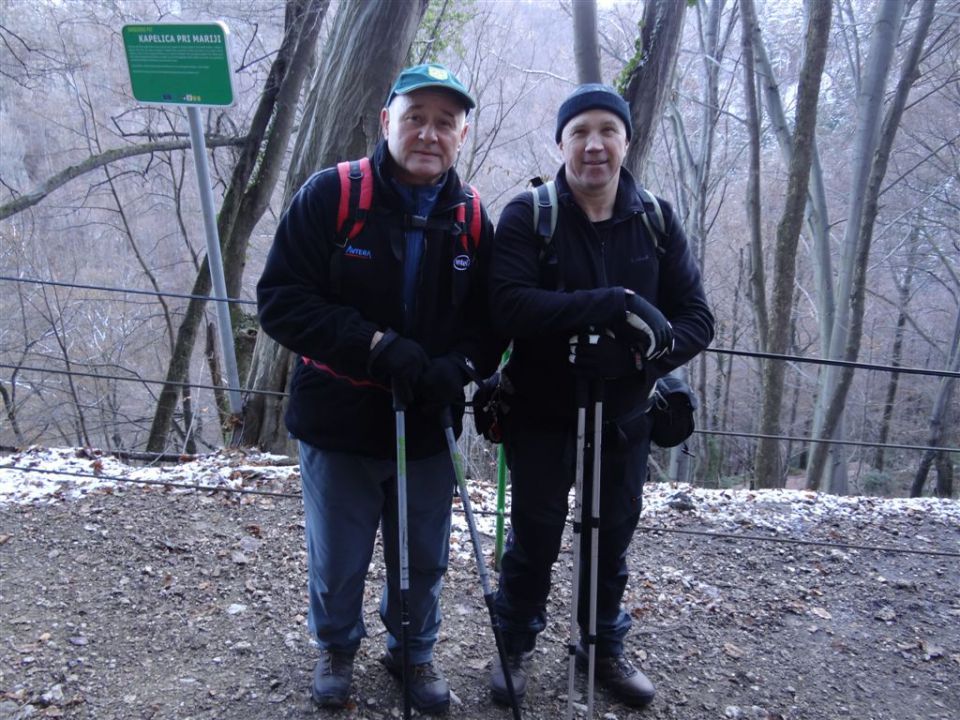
(621, 678)
(429, 691)
(517, 665)
(331, 678)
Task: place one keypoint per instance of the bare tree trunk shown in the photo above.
(11, 411)
(727, 373)
(648, 78)
(216, 378)
(757, 287)
(938, 422)
(769, 469)
(247, 196)
(848, 328)
(366, 51)
(896, 352)
(816, 209)
(944, 475)
(586, 48)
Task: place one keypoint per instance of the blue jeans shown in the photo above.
(542, 471)
(345, 498)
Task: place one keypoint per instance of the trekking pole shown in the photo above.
(581, 396)
(398, 408)
(457, 458)
(594, 542)
(501, 484)
(501, 505)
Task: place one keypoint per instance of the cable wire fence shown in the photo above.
(98, 387)
(705, 534)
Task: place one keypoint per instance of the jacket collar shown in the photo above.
(628, 201)
(451, 192)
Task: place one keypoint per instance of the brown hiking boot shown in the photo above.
(331, 678)
(429, 691)
(517, 665)
(621, 678)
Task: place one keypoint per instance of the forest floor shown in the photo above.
(130, 601)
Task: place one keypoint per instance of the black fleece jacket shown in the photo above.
(334, 403)
(580, 283)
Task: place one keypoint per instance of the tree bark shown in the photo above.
(768, 464)
(11, 411)
(896, 353)
(648, 78)
(938, 423)
(816, 214)
(341, 121)
(586, 46)
(757, 287)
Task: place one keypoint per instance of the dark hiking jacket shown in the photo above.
(334, 403)
(578, 283)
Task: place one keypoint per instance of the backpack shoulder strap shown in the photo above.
(651, 209)
(356, 198)
(544, 198)
(468, 217)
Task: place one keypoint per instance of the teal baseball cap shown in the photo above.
(431, 75)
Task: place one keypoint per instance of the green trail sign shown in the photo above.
(179, 64)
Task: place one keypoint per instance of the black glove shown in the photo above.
(599, 355)
(399, 361)
(491, 403)
(441, 383)
(646, 328)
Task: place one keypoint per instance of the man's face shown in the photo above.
(424, 130)
(593, 144)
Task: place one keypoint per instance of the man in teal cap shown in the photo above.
(398, 307)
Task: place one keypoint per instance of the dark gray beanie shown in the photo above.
(593, 96)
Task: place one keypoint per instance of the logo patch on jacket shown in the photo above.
(461, 262)
(358, 253)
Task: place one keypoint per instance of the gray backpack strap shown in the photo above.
(544, 212)
(658, 228)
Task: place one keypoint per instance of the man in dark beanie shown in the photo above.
(605, 303)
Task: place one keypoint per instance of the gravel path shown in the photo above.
(145, 603)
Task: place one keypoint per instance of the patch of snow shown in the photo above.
(41, 475)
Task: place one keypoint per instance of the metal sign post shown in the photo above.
(189, 65)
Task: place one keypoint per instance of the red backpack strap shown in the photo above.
(469, 218)
(356, 197)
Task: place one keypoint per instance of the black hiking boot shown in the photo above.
(429, 691)
(621, 678)
(517, 664)
(331, 678)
